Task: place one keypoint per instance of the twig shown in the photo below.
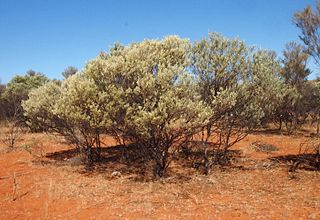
(14, 187)
(16, 175)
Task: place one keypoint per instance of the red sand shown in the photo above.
(260, 190)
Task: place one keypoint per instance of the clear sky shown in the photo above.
(49, 35)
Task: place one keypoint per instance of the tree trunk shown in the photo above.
(318, 124)
(317, 159)
(161, 163)
(159, 170)
(207, 163)
(160, 167)
(280, 124)
(98, 147)
(87, 156)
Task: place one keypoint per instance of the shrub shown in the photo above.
(75, 110)
(235, 82)
(160, 105)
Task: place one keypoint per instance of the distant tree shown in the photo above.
(294, 107)
(295, 60)
(2, 88)
(2, 101)
(308, 21)
(314, 103)
(18, 89)
(31, 73)
(69, 71)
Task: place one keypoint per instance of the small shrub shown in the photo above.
(309, 155)
(263, 147)
(13, 133)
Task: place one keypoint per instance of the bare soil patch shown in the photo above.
(255, 185)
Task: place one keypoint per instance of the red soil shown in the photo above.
(255, 188)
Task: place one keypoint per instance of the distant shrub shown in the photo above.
(17, 90)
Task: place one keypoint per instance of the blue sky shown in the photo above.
(49, 35)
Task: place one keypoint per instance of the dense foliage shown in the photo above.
(158, 94)
(234, 82)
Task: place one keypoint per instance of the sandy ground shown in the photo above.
(256, 186)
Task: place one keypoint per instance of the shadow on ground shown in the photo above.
(300, 132)
(310, 162)
(126, 161)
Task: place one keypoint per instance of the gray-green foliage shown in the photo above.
(142, 93)
(159, 104)
(40, 106)
(268, 86)
(240, 85)
(156, 94)
(75, 109)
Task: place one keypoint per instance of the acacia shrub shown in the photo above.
(235, 83)
(160, 106)
(75, 109)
